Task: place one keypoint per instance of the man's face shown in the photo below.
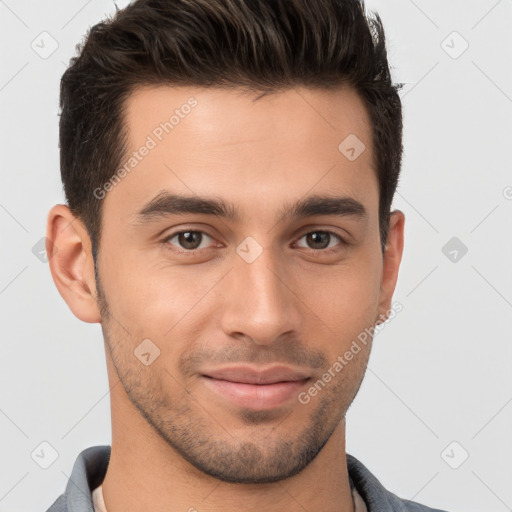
(268, 287)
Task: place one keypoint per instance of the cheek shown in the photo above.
(344, 298)
(150, 297)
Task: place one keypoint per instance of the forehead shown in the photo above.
(214, 141)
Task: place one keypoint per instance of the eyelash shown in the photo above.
(192, 252)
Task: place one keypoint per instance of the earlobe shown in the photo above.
(391, 262)
(69, 253)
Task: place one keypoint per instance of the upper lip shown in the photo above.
(251, 375)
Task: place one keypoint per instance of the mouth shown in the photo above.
(255, 389)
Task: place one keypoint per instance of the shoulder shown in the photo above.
(88, 472)
(376, 497)
(59, 505)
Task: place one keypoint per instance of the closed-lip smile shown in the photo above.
(256, 388)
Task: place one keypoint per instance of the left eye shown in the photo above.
(189, 240)
(319, 240)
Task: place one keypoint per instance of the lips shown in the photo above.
(256, 389)
(248, 375)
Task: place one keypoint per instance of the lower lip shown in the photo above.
(257, 397)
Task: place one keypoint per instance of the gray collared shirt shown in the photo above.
(91, 466)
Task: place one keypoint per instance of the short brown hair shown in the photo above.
(262, 46)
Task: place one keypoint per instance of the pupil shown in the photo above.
(319, 237)
(187, 241)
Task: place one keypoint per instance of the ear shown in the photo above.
(391, 262)
(68, 247)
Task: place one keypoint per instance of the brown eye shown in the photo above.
(188, 240)
(319, 240)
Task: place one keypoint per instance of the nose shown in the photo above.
(260, 300)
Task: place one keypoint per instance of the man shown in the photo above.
(229, 168)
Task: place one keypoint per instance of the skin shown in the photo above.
(176, 444)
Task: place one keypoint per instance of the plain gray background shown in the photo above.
(433, 417)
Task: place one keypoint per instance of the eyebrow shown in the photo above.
(166, 204)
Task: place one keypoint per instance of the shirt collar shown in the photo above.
(91, 466)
